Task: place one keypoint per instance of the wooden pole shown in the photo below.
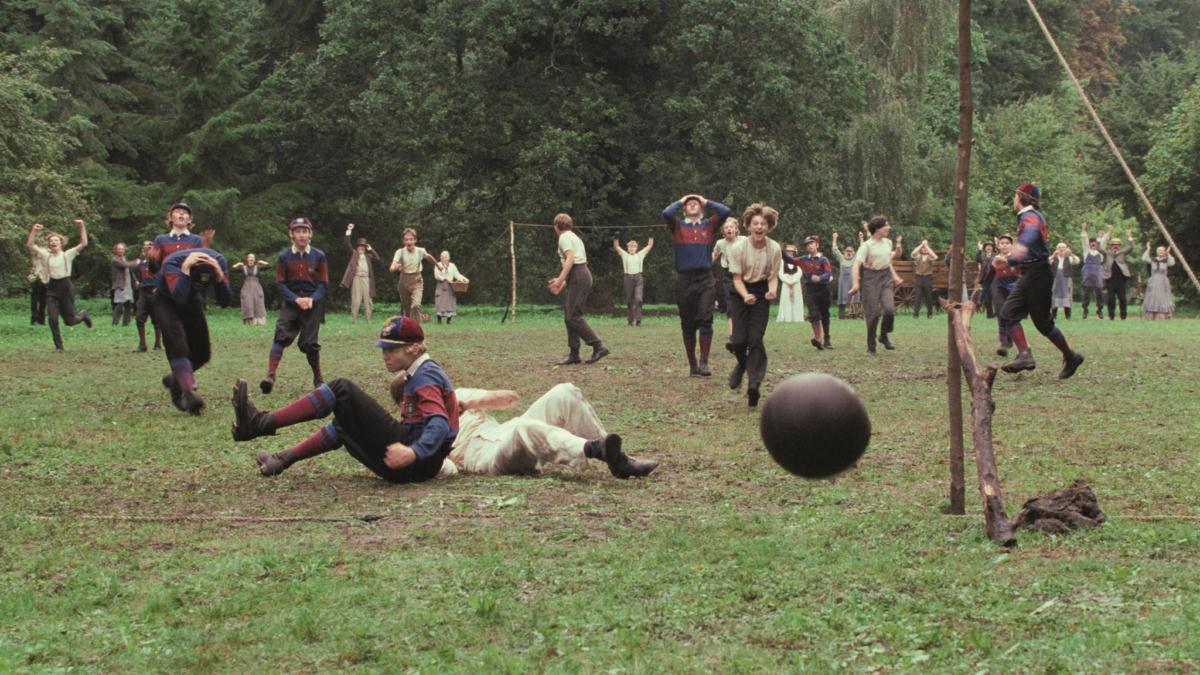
(999, 528)
(962, 176)
(512, 257)
(1112, 146)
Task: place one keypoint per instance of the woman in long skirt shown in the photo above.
(845, 259)
(1062, 260)
(254, 307)
(791, 297)
(445, 301)
(1158, 302)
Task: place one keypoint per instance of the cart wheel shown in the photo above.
(904, 296)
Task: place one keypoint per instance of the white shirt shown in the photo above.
(633, 263)
(364, 266)
(569, 241)
(60, 264)
(753, 263)
(723, 246)
(874, 255)
(410, 263)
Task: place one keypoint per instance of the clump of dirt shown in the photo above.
(1061, 511)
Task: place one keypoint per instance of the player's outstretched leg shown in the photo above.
(608, 449)
(250, 423)
(274, 463)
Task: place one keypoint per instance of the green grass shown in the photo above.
(719, 562)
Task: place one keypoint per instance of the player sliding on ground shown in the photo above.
(406, 450)
(561, 427)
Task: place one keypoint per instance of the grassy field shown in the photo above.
(138, 538)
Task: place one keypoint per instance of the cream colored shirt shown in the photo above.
(451, 273)
(569, 241)
(59, 265)
(755, 264)
(364, 266)
(874, 255)
(722, 246)
(633, 263)
(410, 263)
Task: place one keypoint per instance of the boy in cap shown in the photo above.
(1004, 280)
(692, 239)
(302, 277)
(1031, 297)
(816, 273)
(180, 237)
(183, 281)
(1116, 271)
(406, 450)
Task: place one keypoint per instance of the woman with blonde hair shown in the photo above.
(1062, 259)
(57, 261)
(1158, 302)
(446, 273)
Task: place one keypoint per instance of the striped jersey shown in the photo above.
(302, 275)
(693, 241)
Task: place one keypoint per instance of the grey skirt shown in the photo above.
(445, 302)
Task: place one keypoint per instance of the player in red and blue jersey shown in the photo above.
(183, 281)
(302, 277)
(405, 450)
(147, 282)
(692, 239)
(1032, 295)
(816, 273)
(179, 219)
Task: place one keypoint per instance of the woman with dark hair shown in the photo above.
(873, 272)
(576, 278)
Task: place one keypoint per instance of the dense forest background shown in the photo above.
(456, 116)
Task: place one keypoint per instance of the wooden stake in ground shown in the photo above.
(512, 257)
(962, 176)
(999, 527)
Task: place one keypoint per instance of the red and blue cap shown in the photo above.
(299, 222)
(400, 331)
(1030, 190)
(180, 205)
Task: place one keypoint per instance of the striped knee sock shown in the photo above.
(275, 357)
(315, 404)
(323, 440)
(182, 370)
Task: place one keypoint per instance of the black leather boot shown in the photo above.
(249, 422)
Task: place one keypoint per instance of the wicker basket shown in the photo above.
(460, 287)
